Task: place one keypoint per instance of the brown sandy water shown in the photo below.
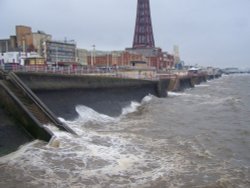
(199, 138)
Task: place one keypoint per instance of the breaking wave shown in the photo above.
(174, 94)
(88, 115)
(202, 85)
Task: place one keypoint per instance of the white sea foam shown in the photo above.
(88, 115)
(202, 85)
(174, 94)
(108, 155)
(147, 99)
(131, 108)
(221, 100)
(19, 152)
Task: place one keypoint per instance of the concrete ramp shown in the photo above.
(24, 106)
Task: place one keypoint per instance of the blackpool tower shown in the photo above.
(143, 36)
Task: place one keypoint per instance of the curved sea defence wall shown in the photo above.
(12, 135)
(108, 95)
(198, 79)
(53, 82)
(74, 90)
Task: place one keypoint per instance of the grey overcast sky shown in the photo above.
(208, 32)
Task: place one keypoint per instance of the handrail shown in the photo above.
(39, 103)
(28, 92)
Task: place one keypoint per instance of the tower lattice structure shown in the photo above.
(143, 36)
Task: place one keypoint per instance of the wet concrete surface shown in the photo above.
(11, 135)
(105, 101)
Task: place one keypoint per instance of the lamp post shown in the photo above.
(56, 57)
(93, 56)
(107, 64)
(91, 63)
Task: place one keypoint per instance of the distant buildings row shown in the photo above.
(38, 48)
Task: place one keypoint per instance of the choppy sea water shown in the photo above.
(198, 138)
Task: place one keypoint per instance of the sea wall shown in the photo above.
(107, 95)
(17, 111)
(41, 81)
(12, 135)
(180, 83)
(162, 87)
(198, 79)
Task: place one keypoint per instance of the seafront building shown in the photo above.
(7, 45)
(39, 38)
(24, 38)
(48, 51)
(59, 53)
(12, 60)
(82, 56)
(142, 54)
(115, 58)
(66, 53)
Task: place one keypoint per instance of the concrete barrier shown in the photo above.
(41, 81)
(102, 87)
(198, 79)
(162, 87)
(47, 82)
(180, 83)
(11, 104)
(12, 135)
(95, 92)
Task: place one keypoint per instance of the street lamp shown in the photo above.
(93, 56)
(107, 64)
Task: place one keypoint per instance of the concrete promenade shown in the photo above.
(178, 79)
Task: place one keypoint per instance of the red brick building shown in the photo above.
(116, 58)
(162, 60)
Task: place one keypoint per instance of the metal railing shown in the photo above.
(118, 72)
(109, 72)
